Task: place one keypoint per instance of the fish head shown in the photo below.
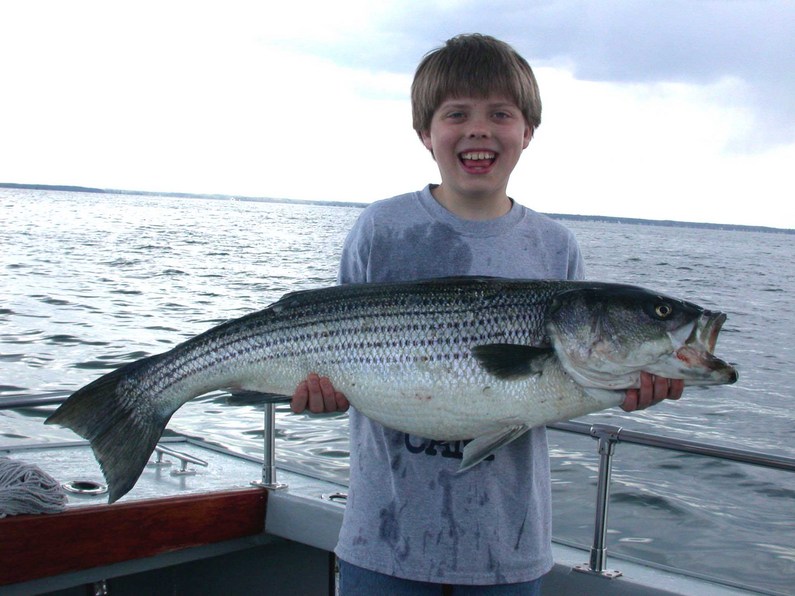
(606, 334)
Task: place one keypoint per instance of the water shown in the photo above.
(90, 282)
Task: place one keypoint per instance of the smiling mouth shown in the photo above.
(477, 160)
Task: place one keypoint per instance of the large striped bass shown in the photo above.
(448, 359)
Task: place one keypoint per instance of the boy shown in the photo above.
(412, 525)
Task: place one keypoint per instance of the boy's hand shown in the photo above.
(318, 394)
(652, 391)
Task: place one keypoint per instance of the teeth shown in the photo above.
(478, 155)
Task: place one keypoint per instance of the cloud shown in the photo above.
(695, 42)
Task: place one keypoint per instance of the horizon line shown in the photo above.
(334, 203)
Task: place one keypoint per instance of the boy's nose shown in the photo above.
(478, 128)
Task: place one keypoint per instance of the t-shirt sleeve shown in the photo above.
(355, 257)
(576, 263)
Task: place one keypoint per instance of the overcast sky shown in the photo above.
(669, 109)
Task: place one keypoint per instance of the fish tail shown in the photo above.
(122, 428)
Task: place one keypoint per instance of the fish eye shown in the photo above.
(663, 310)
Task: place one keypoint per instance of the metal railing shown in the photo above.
(607, 436)
(269, 443)
(31, 401)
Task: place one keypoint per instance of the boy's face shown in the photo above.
(476, 143)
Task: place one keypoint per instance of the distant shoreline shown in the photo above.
(223, 197)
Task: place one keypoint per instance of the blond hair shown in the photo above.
(473, 65)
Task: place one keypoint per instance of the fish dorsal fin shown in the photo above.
(480, 448)
(512, 361)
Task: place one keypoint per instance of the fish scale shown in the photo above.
(446, 359)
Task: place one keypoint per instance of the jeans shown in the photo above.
(355, 581)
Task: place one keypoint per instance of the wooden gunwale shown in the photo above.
(37, 546)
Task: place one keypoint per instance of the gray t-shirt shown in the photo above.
(409, 514)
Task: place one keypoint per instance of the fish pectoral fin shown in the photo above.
(480, 448)
(512, 361)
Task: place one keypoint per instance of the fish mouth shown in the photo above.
(705, 330)
(697, 352)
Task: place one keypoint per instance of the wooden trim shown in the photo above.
(36, 546)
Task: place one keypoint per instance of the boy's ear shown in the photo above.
(528, 135)
(425, 137)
